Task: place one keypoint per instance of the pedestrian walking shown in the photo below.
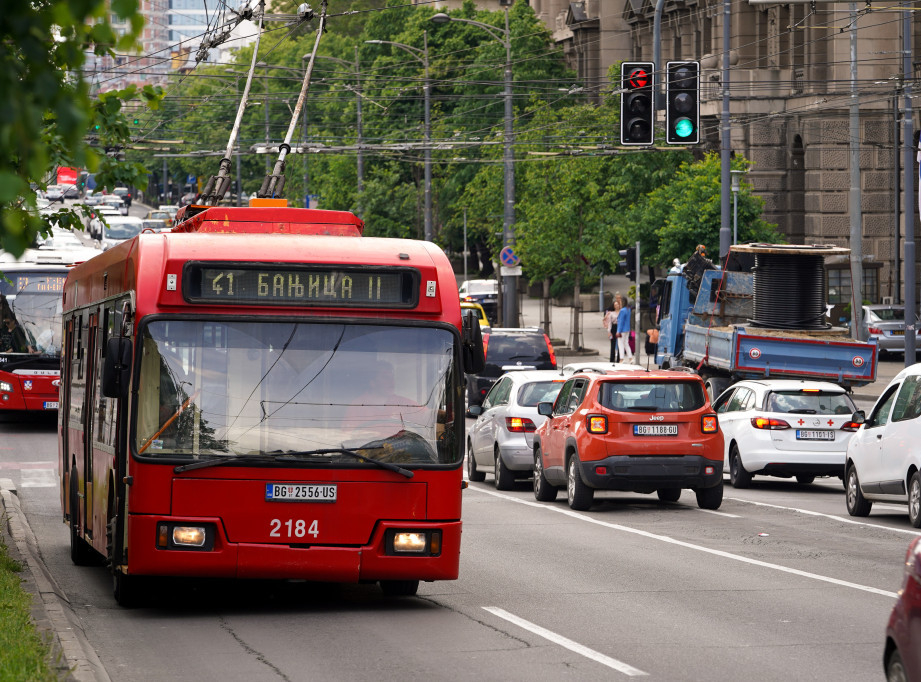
(623, 334)
(609, 322)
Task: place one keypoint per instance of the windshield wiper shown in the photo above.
(301, 457)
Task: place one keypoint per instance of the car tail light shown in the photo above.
(596, 423)
(769, 423)
(709, 423)
(485, 343)
(875, 330)
(550, 348)
(519, 425)
(850, 426)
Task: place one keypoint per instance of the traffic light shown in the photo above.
(629, 261)
(682, 107)
(637, 113)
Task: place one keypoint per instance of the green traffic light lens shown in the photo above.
(684, 127)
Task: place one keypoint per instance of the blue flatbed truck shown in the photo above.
(711, 332)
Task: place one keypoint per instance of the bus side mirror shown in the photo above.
(472, 344)
(116, 371)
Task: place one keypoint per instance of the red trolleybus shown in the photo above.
(265, 393)
(30, 332)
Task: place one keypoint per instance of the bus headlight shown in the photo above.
(181, 536)
(416, 542)
(5, 386)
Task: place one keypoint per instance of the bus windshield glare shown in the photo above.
(30, 307)
(291, 389)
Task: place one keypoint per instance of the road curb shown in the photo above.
(51, 612)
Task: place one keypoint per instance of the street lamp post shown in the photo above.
(426, 87)
(510, 282)
(735, 187)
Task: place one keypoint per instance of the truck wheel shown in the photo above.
(738, 476)
(543, 491)
(715, 386)
(505, 480)
(580, 495)
(472, 473)
(857, 504)
(710, 498)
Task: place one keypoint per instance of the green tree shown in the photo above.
(49, 118)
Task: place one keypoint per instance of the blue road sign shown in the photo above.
(508, 257)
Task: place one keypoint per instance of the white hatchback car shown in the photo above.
(502, 438)
(598, 367)
(785, 427)
(883, 458)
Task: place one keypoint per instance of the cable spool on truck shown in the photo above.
(764, 316)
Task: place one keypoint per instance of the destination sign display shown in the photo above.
(34, 282)
(287, 284)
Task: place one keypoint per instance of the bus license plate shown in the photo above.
(300, 492)
(814, 435)
(655, 429)
(48, 405)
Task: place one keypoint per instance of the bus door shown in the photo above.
(64, 417)
(90, 354)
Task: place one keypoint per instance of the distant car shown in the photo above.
(155, 225)
(633, 431)
(92, 199)
(501, 438)
(482, 291)
(169, 208)
(166, 220)
(480, 313)
(902, 654)
(507, 350)
(114, 201)
(885, 324)
(785, 427)
(883, 458)
(119, 229)
(602, 367)
(55, 193)
(188, 198)
(71, 192)
(124, 194)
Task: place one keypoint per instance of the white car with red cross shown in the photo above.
(786, 428)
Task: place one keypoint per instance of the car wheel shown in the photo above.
(805, 480)
(710, 498)
(472, 473)
(857, 504)
(738, 476)
(669, 494)
(505, 480)
(543, 491)
(580, 495)
(914, 500)
(895, 669)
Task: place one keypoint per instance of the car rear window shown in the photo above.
(503, 349)
(803, 402)
(889, 314)
(539, 392)
(650, 396)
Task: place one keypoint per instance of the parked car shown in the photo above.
(633, 431)
(119, 229)
(885, 324)
(785, 427)
(902, 655)
(883, 458)
(480, 313)
(576, 367)
(501, 439)
(482, 291)
(509, 350)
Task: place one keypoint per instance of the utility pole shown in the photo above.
(854, 196)
(908, 170)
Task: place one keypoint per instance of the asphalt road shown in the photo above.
(779, 584)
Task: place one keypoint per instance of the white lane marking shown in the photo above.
(713, 511)
(842, 519)
(688, 545)
(38, 478)
(566, 643)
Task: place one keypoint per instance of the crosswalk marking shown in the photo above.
(38, 478)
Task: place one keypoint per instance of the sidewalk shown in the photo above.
(596, 345)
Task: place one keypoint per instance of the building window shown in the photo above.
(839, 285)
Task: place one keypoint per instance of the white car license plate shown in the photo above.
(655, 429)
(48, 405)
(300, 492)
(814, 435)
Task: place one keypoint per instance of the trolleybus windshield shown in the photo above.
(30, 307)
(223, 389)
